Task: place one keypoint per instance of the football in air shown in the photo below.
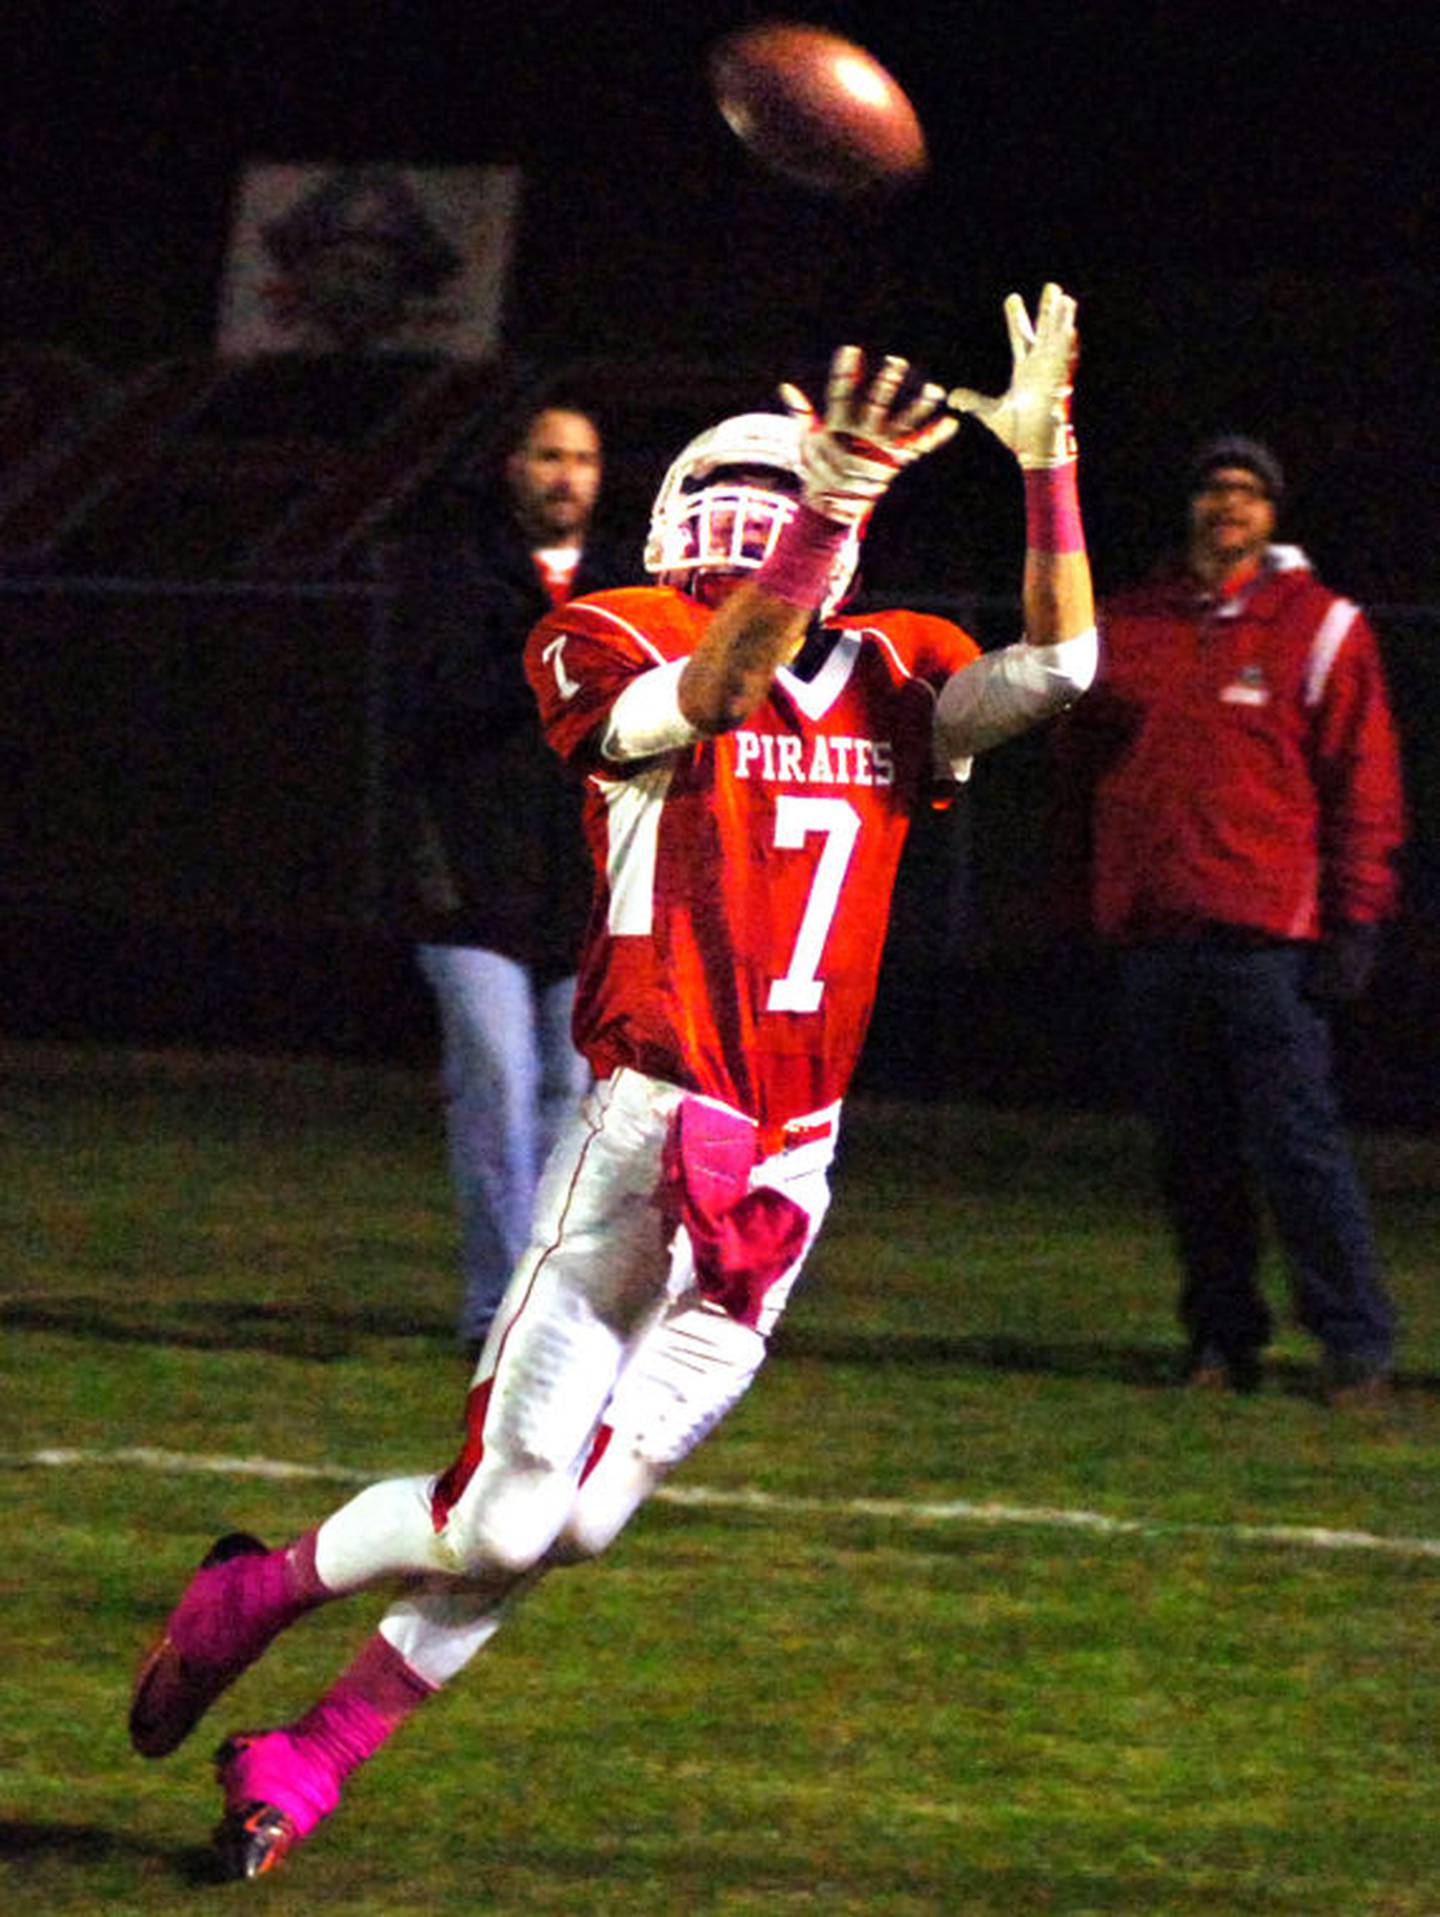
(817, 109)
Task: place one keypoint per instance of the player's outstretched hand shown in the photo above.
(1033, 417)
(866, 436)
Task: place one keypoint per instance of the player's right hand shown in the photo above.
(850, 456)
(1032, 417)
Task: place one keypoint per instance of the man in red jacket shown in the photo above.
(1243, 800)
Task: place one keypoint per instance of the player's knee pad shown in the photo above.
(688, 1377)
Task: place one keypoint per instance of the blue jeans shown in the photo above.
(511, 1075)
(1236, 1076)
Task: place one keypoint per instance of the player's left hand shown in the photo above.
(1033, 417)
(849, 457)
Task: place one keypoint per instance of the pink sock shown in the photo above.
(369, 1700)
(232, 1610)
(302, 1580)
(300, 1769)
(267, 1768)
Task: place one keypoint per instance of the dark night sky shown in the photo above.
(1244, 198)
(1101, 140)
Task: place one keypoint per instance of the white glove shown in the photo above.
(1033, 418)
(850, 457)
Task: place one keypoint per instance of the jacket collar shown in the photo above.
(1279, 564)
(1257, 595)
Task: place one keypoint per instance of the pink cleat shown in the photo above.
(204, 1647)
(252, 1839)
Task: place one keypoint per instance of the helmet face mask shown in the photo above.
(715, 514)
(729, 525)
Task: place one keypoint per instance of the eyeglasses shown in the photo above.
(1218, 488)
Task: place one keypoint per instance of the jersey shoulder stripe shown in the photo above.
(915, 645)
(652, 623)
(582, 656)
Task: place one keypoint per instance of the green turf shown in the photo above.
(836, 1702)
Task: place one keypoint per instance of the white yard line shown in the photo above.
(955, 1511)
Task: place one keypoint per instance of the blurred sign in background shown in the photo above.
(372, 259)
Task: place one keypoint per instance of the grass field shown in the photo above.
(964, 1610)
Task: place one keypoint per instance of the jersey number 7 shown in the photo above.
(634, 808)
(800, 989)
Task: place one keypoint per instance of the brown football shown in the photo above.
(817, 108)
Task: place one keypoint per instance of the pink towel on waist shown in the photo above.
(743, 1240)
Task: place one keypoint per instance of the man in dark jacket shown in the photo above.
(503, 878)
(1237, 770)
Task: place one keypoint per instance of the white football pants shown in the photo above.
(605, 1367)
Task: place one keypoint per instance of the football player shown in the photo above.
(751, 757)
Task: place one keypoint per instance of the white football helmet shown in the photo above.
(714, 514)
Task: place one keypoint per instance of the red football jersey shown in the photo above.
(743, 883)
